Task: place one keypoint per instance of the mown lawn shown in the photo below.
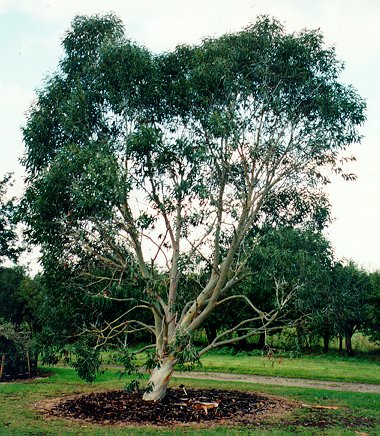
(18, 415)
(329, 367)
(364, 368)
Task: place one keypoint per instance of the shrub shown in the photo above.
(17, 357)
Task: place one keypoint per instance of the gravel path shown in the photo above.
(282, 381)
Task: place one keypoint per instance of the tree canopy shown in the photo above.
(8, 236)
(162, 164)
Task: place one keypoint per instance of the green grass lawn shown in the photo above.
(18, 416)
(364, 368)
(329, 367)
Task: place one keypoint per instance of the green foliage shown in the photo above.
(184, 351)
(73, 302)
(19, 297)
(153, 361)
(339, 306)
(87, 361)
(133, 386)
(12, 300)
(373, 322)
(216, 139)
(127, 359)
(300, 259)
(17, 351)
(282, 260)
(352, 290)
(8, 236)
(10, 333)
(105, 82)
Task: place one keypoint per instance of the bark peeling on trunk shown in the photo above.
(159, 380)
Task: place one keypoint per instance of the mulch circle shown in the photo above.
(180, 406)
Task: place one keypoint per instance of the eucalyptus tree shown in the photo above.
(175, 157)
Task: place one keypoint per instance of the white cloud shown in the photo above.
(14, 102)
(14, 98)
(162, 24)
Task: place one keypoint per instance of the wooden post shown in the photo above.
(28, 362)
(2, 366)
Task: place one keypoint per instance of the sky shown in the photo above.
(31, 33)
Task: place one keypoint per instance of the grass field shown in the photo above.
(329, 367)
(363, 368)
(18, 416)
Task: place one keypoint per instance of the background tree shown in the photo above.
(15, 351)
(20, 297)
(8, 236)
(175, 157)
(295, 259)
(351, 290)
(373, 324)
(299, 259)
(12, 304)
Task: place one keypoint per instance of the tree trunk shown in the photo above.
(340, 343)
(262, 341)
(159, 380)
(28, 363)
(35, 363)
(241, 345)
(300, 336)
(211, 332)
(2, 365)
(349, 349)
(326, 340)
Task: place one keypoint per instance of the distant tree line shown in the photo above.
(18, 355)
(332, 300)
(50, 313)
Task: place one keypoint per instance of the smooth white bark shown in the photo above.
(159, 380)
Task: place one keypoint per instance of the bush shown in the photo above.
(17, 357)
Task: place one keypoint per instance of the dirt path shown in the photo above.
(282, 381)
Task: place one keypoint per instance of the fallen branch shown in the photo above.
(205, 406)
(321, 407)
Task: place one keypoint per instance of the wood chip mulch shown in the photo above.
(179, 406)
